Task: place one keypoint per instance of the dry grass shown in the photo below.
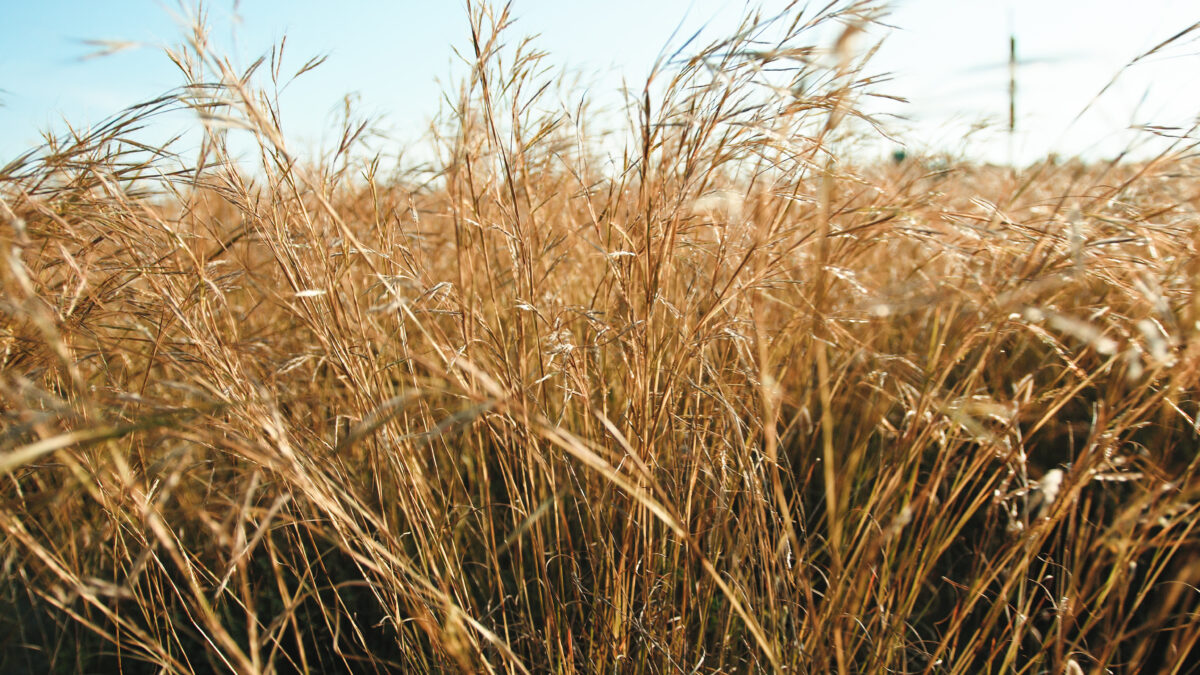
(735, 404)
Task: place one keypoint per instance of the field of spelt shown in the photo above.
(735, 401)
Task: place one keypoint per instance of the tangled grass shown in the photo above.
(731, 402)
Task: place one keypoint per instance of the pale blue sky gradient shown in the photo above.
(948, 57)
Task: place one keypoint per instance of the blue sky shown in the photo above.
(947, 56)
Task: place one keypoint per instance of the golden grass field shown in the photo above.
(737, 403)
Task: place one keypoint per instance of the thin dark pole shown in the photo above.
(1012, 83)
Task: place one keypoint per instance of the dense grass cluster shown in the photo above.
(732, 402)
